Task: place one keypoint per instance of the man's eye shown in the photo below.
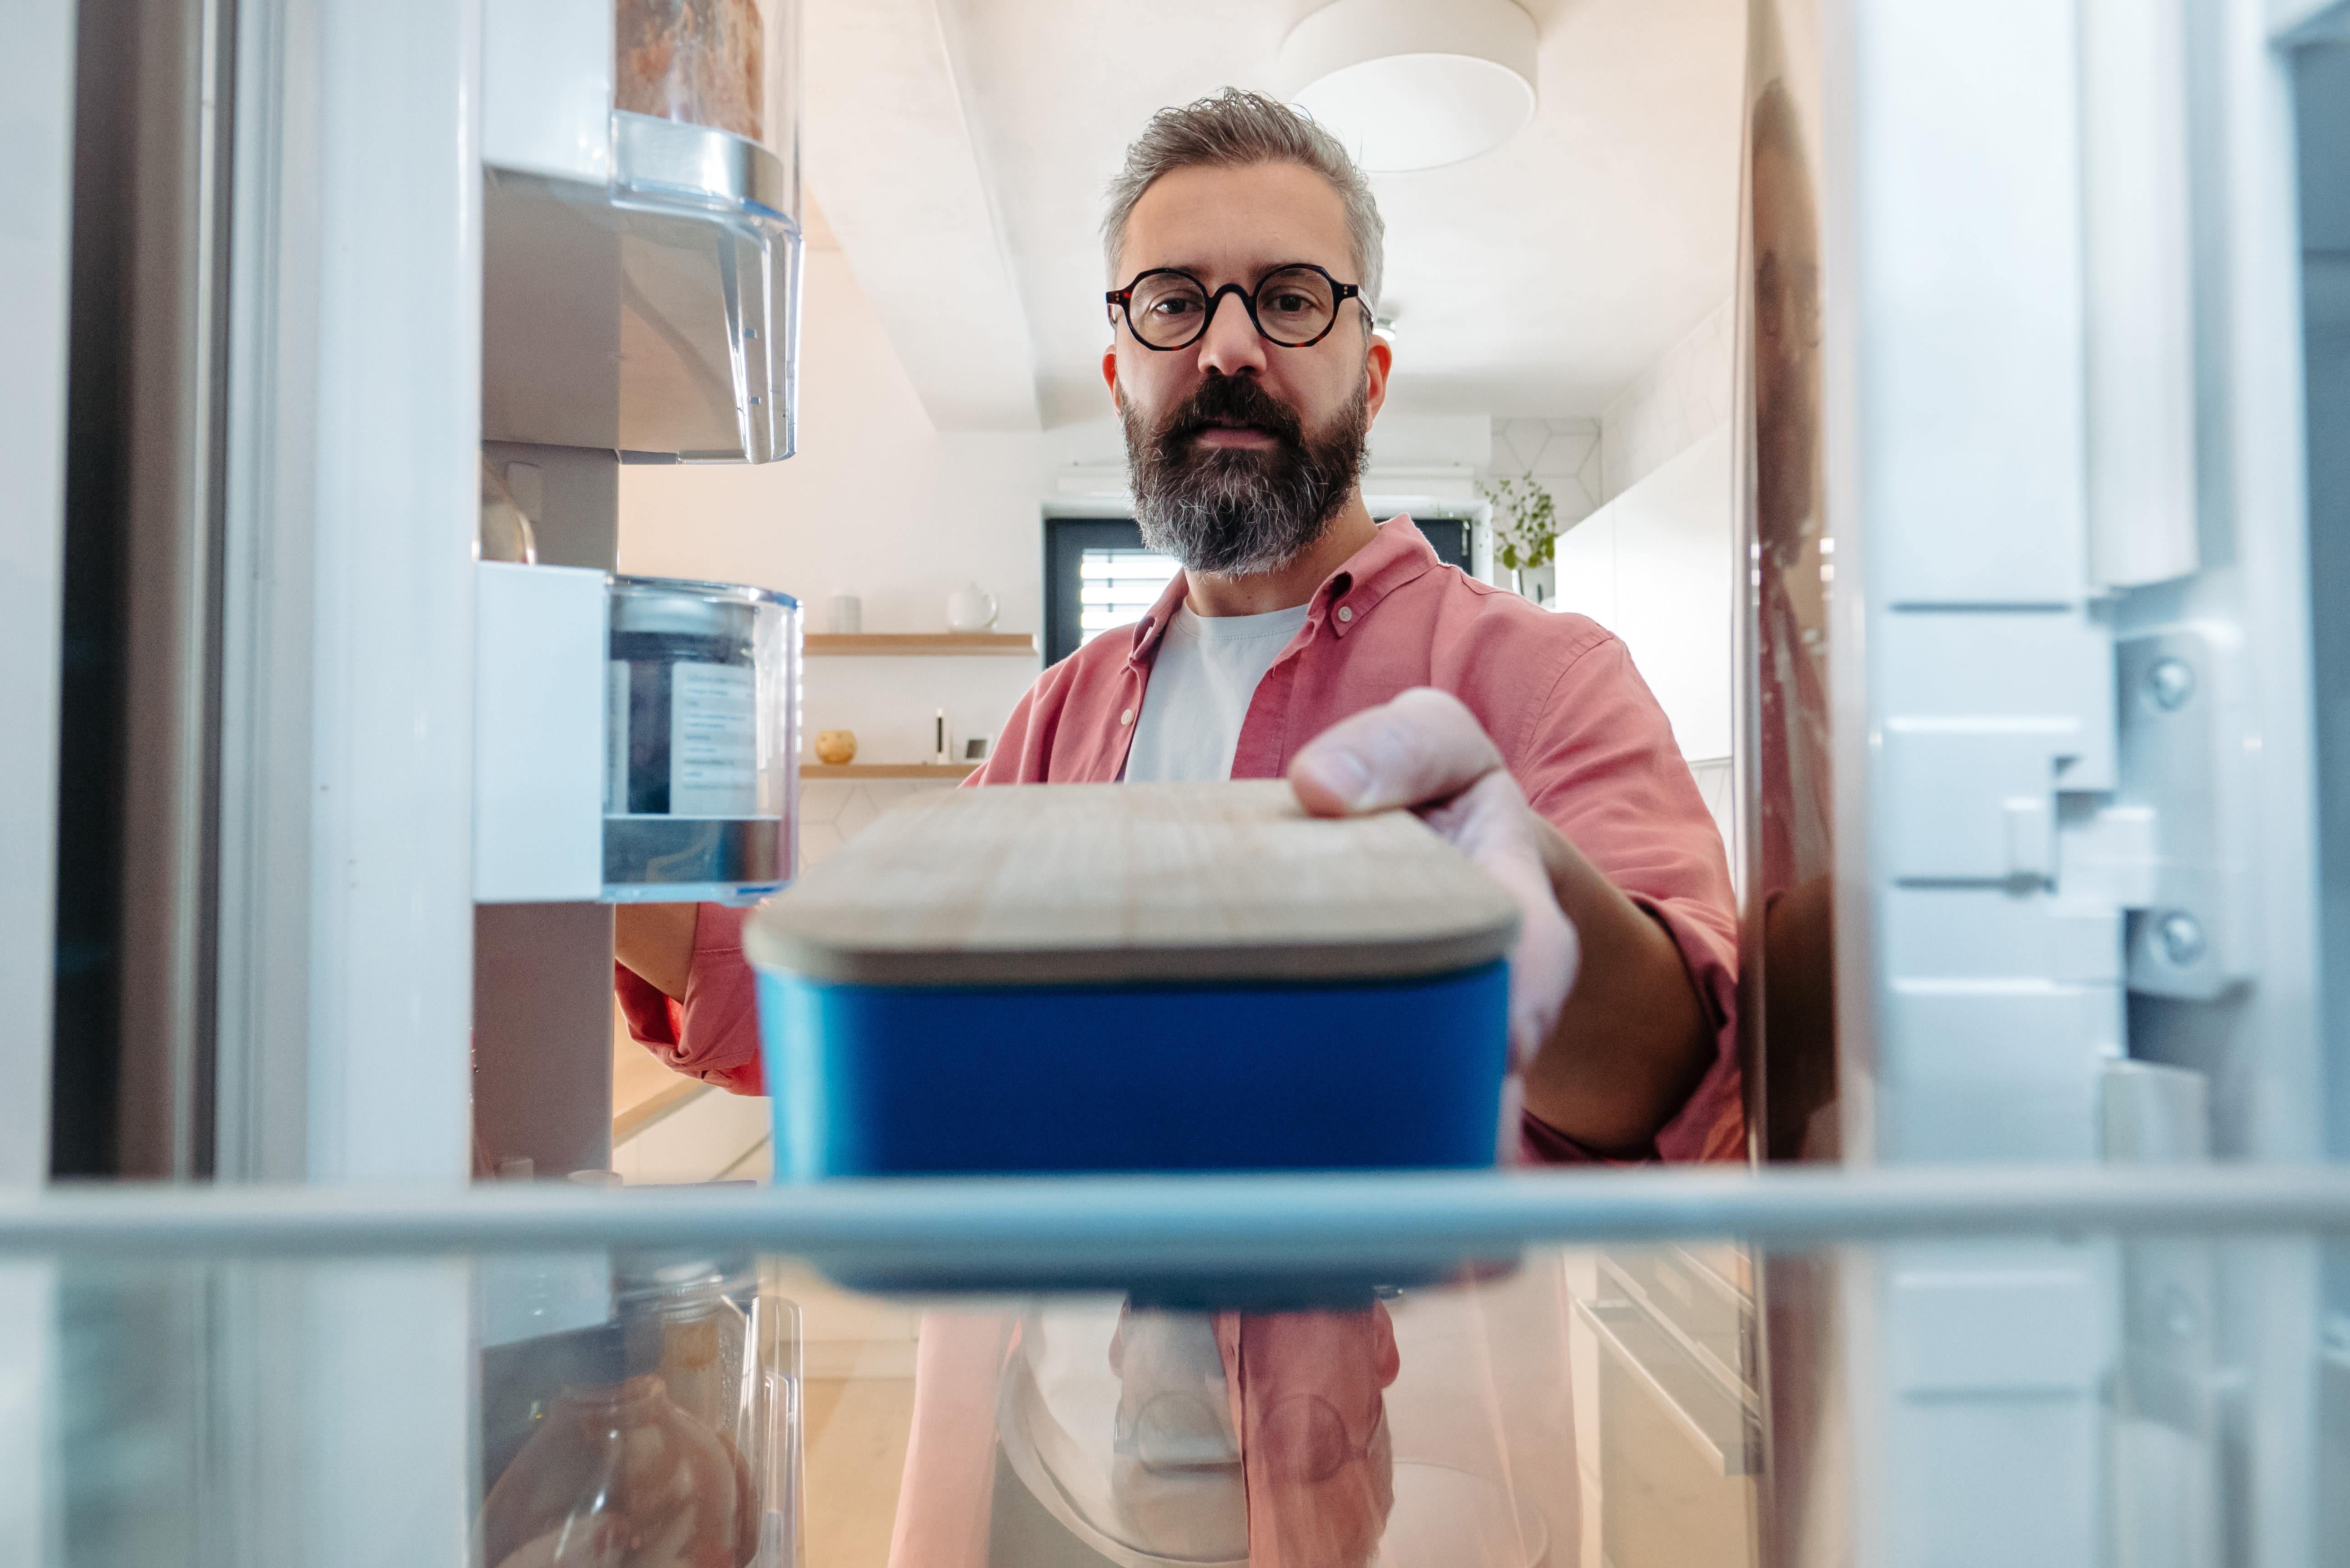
(1291, 303)
(1176, 305)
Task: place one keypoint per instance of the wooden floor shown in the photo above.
(858, 1366)
(856, 1452)
(666, 1128)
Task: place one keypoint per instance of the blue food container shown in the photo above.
(1133, 978)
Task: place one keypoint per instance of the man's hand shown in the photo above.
(1607, 1061)
(1426, 750)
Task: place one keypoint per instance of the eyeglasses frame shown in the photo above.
(1121, 301)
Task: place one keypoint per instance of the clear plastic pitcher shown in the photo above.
(690, 1459)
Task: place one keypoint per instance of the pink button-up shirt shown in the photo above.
(1576, 726)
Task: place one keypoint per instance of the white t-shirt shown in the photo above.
(1202, 680)
(1142, 1463)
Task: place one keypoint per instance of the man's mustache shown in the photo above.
(1225, 401)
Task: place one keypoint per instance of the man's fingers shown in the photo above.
(1423, 746)
(1488, 821)
(1425, 749)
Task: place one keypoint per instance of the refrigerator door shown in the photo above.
(2027, 753)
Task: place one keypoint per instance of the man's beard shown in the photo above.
(1233, 511)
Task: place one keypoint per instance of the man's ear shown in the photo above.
(1109, 375)
(1376, 360)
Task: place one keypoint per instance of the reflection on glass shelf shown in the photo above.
(1678, 1401)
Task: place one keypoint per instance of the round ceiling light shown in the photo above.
(1409, 84)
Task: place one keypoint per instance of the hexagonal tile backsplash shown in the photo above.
(834, 811)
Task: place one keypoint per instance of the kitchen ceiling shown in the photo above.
(1537, 279)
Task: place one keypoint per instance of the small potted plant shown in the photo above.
(1525, 525)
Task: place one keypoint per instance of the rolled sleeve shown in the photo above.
(1602, 766)
(713, 1034)
(1711, 1125)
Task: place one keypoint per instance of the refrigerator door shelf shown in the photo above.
(539, 639)
(701, 771)
(670, 157)
(655, 315)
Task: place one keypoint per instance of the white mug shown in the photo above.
(844, 614)
(971, 608)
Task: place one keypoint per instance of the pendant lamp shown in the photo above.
(1414, 84)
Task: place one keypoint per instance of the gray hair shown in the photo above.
(1240, 129)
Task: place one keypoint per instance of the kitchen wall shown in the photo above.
(1668, 406)
(1650, 554)
(1654, 566)
(1584, 463)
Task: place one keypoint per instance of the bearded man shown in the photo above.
(1303, 639)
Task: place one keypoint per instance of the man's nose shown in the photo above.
(1231, 344)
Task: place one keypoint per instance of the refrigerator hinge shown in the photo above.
(2169, 844)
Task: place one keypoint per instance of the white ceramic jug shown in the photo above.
(971, 608)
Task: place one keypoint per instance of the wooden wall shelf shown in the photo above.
(1018, 643)
(947, 771)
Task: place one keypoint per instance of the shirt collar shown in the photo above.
(1152, 627)
(1396, 555)
(1399, 554)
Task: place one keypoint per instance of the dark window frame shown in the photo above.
(1066, 540)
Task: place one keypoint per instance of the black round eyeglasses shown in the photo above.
(1293, 306)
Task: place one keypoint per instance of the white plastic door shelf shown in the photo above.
(539, 642)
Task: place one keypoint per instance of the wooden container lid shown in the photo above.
(1112, 884)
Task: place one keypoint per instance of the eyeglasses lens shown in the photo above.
(1167, 310)
(1293, 306)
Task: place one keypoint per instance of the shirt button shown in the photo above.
(1127, 717)
(1346, 612)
